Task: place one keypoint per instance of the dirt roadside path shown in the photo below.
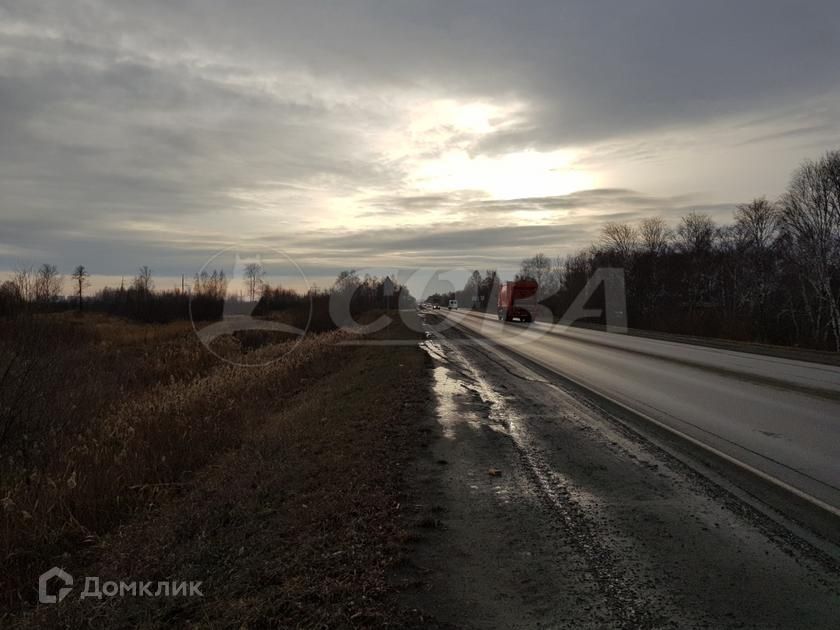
(535, 509)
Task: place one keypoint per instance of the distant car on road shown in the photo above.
(436, 307)
(453, 304)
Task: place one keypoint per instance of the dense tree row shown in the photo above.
(773, 275)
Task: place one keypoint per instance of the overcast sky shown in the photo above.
(393, 134)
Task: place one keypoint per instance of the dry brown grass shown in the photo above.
(295, 528)
(104, 415)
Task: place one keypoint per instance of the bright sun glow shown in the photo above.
(509, 176)
(435, 147)
(446, 115)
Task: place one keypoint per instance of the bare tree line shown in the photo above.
(205, 299)
(773, 275)
(41, 285)
(42, 289)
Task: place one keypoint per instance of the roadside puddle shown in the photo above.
(465, 396)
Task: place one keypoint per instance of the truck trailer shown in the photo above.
(517, 300)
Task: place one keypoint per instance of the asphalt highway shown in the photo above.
(779, 416)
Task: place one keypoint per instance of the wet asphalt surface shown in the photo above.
(532, 507)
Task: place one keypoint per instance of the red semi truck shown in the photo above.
(517, 300)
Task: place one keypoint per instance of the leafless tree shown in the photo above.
(809, 220)
(751, 241)
(254, 274)
(346, 278)
(143, 282)
(621, 238)
(655, 235)
(211, 285)
(81, 278)
(23, 280)
(696, 233)
(538, 268)
(48, 284)
(756, 223)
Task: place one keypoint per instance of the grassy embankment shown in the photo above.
(276, 486)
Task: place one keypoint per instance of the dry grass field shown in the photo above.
(102, 421)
